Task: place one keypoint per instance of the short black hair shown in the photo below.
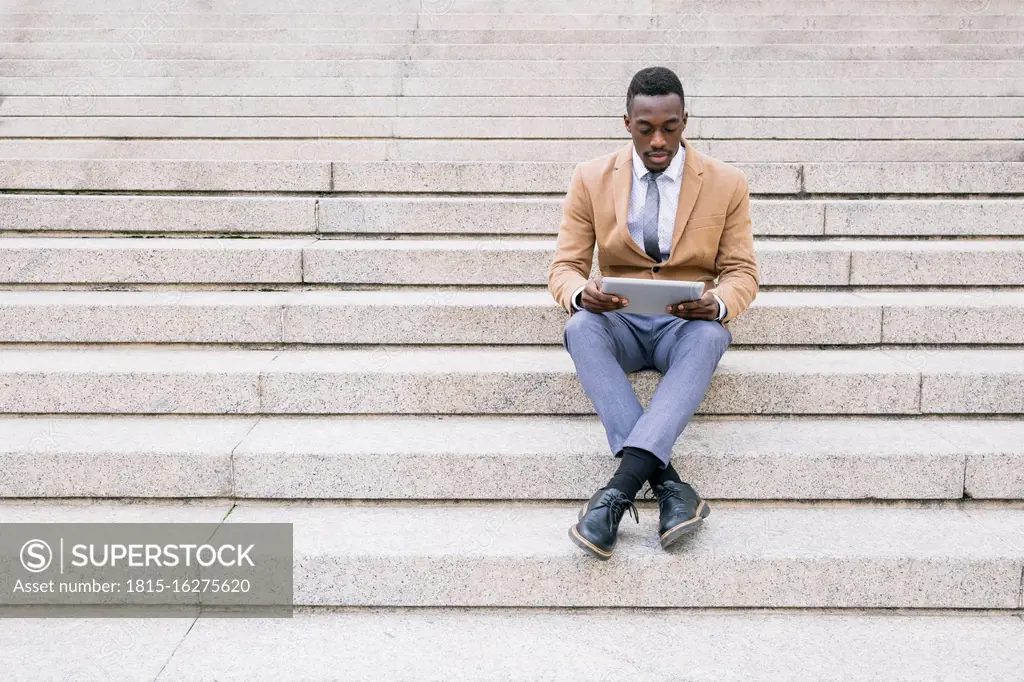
(654, 80)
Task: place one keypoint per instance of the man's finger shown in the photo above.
(698, 315)
(604, 298)
(600, 296)
(704, 301)
(694, 309)
(599, 301)
(612, 302)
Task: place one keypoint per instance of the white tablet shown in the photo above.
(651, 296)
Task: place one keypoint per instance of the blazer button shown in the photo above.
(656, 268)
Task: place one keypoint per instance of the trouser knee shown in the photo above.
(581, 324)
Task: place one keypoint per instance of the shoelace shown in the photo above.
(667, 492)
(618, 506)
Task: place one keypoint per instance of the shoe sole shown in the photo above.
(669, 537)
(588, 546)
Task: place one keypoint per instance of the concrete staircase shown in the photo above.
(287, 261)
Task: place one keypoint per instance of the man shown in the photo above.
(657, 209)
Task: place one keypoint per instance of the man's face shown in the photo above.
(656, 123)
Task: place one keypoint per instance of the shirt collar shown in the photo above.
(673, 171)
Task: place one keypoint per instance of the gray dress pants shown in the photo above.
(606, 347)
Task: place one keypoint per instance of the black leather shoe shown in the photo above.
(681, 509)
(598, 526)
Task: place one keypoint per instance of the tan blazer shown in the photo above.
(712, 237)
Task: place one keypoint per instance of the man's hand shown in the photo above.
(704, 309)
(597, 301)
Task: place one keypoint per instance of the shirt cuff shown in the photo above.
(577, 299)
(722, 312)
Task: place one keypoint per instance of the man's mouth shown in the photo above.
(657, 156)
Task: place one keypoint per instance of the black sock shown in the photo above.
(637, 466)
(662, 475)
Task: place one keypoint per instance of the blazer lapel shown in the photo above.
(622, 182)
(693, 170)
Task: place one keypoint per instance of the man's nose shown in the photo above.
(658, 140)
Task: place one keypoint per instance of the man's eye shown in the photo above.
(646, 131)
(670, 130)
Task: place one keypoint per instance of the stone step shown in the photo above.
(668, 34)
(671, 51)
(461, 554)
(493, 380)
(696, 87)
(184, 19)
(824, 178)
(451, 215)
(531, 68)
(661, 40)
(160, 260)
(782, 263)
(79, 91)
(676, 7)
(315, 148)
(161, 214)
(456, 644)
(497, 458)
(909, 217)
(497, 317)
(494, 215)
(179, 175)
(839, 178)
(478, 262)
(766, 107)
(521, 127)
(584, 51)
(691, 18)
(441, 10)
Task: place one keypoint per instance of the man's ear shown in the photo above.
(625, 122)
(686, 117)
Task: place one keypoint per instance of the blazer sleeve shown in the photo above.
(574, 248)
(738, 274)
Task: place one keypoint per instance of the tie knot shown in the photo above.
(652, 176)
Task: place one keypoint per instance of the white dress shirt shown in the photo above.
(668, 200)
(669, 186)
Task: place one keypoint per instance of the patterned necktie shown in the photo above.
(649, 221)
